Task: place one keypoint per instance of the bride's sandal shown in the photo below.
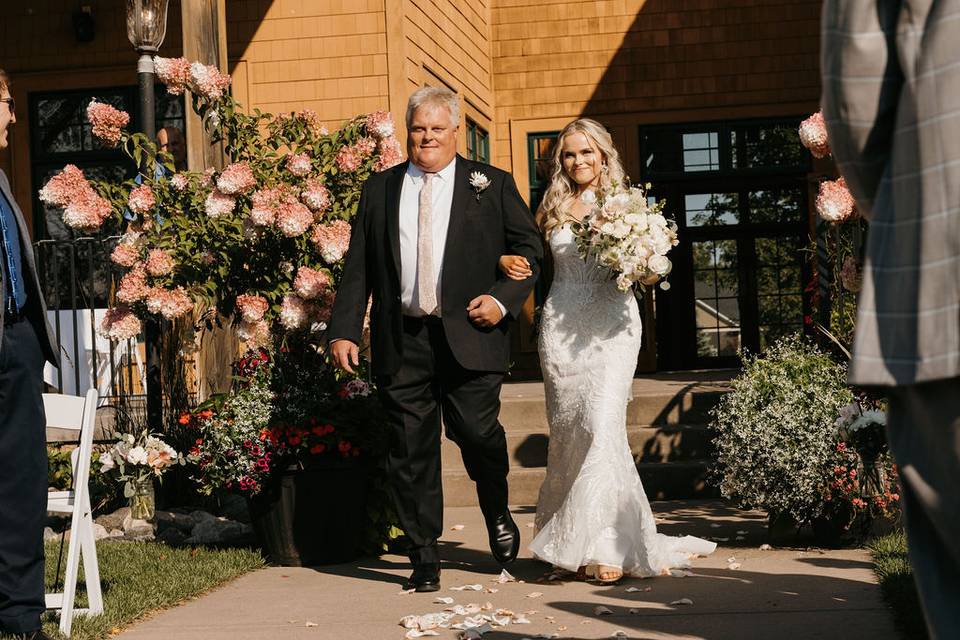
(582, 575)
(608, 575)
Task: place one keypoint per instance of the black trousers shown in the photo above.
(23, 479)
(431, 384)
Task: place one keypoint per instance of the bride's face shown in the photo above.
(581, 159)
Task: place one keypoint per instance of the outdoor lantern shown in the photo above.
(147, 24)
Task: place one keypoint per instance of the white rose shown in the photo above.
(659, 265)
(620, 229)
(106, 462)
(624, 282)
(657, 220)
(137, 455)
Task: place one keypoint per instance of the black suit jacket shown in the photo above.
(36, 309)
(481, 230)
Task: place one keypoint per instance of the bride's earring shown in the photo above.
(603, 168)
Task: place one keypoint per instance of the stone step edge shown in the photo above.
(641, 466)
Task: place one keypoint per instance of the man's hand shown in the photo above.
(484, 311)
(345, 353)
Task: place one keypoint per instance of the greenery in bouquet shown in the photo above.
(261, 240)
(776, 435)
(628, 235)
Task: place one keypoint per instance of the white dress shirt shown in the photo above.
(442, 193)
(442, 188)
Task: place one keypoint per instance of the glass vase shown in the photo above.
(142, 504)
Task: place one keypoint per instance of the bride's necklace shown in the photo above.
(583, 198)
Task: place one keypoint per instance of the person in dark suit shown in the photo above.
(425, 244)
(26, 341)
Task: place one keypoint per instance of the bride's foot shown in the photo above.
(608, 575)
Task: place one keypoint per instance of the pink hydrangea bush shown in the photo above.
(261, 241)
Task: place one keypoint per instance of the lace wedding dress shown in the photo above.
(592, 508)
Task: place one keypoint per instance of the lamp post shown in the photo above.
(146, 28)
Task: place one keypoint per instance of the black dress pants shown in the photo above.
(430, 384)
(23, 479)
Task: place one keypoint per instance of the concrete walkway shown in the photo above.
(780, 594)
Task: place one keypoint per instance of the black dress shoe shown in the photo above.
(425, 578)
(504, 538)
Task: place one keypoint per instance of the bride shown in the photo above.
(593, 516)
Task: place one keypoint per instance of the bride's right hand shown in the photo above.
(515, 267)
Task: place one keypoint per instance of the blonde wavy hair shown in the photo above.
(562, 189)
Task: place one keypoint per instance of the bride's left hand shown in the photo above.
(516, 267)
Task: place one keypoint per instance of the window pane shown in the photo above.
(772, 145)
(779, 287)
(776, 205)
(701, 151)
(708, 209)
(716, 304)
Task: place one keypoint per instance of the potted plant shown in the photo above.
(305, 449)
(862, 495)
(776, 434)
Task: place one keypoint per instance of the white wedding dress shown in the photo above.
(592, 508)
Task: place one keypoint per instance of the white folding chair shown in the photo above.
(76, 413)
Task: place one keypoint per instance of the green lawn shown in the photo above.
(140, 577)
(896, 579)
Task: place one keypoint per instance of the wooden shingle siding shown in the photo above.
(326, 55)
(560, 60)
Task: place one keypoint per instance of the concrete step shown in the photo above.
(661, 481)
(648, 443)
(675, 401)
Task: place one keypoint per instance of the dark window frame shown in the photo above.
(676, 310)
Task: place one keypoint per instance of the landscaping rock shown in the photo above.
(171, 536)
(113, 520)
(137, 529)
(50, 534)
(100, 532)
(235, 507)
(214, 530)
(116, 533)
(184, 522)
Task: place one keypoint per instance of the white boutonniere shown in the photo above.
(479, 182)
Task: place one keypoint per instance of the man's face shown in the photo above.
(171, 140)
(431, 138)
(7, 116)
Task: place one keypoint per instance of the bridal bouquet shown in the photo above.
(626, 234)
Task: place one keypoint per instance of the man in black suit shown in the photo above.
(425, 243)
(25, 342)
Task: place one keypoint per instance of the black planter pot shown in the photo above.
(314, 515)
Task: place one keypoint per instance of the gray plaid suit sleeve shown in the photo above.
(891, 101)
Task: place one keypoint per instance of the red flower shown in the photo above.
(808, 320)
(207, 413)
(184, 418)
(318, 449)
(294, 440)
